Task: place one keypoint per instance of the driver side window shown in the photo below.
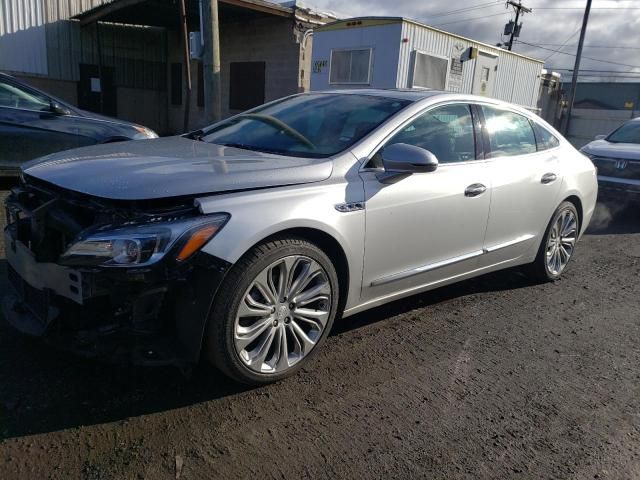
(445, 131)
(14, 96)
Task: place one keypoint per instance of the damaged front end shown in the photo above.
(124, 281)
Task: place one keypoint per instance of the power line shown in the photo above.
(570, 69)
(468, 19)
(573, 55)
(592, 8)
(617, 47)
(561, 46)
(495, 3)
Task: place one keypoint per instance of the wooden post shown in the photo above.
(211, 61)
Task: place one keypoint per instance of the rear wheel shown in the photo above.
(558, 245)
(274, 309)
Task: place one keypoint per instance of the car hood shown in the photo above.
(603, 148)
(170, 167)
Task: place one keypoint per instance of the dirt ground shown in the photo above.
(492, 378)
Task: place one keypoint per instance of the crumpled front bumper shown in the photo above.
(145, 317)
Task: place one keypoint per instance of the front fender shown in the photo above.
(260, 214)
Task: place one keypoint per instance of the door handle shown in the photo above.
(474, 190)
(548, 178)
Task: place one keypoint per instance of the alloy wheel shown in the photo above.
(561, 242)
(282, 314)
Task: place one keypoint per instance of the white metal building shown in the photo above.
(394, 52)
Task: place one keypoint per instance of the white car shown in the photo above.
(617, 158)
(243, 241)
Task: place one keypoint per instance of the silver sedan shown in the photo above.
(243, 241)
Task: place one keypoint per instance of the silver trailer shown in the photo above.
(394, 52)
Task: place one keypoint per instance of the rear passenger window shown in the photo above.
(509, 133)
(545, 138)
(446, 131)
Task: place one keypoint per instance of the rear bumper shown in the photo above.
(143, 317)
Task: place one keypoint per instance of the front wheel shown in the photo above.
(558, 244)
(273, 311)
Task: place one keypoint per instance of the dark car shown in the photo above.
(617, 158)
(33, 124)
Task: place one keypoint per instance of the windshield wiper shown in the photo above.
(252, 148)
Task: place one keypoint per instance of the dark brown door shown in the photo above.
(246, 85)
(91, 87)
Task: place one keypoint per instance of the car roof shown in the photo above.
(412, 94)
(415, 95)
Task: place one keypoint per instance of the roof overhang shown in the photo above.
(160, 13)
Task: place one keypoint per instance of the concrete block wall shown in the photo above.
(271, 40)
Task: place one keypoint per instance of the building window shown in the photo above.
(176, 84)
(246, 85)
(429, 71)
(350, 67)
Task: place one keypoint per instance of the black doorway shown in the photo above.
(91, 86)
(246, 85)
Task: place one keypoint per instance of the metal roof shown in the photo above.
(359, 22)
(161, 13)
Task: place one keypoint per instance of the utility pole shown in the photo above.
(211, 61)
(187, 62)
(517, 7)
(576, 67)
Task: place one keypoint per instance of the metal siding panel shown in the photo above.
(385, 41)
(22, 36)
(517, 78)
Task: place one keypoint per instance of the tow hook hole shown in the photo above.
(73, 277)
(74, 289)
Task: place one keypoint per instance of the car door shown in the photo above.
(429, 226)
(29, 128)
(525, 183)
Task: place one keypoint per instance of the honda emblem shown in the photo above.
(621, 164)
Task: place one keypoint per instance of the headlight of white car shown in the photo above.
(144, 132)
(143, 244)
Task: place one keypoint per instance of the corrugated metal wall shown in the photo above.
(517, 80)
(22, 36)
(38, 37)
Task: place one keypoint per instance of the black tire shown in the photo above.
(219, 345)
(539, 269)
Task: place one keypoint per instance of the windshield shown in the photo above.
(627, 133)
(314, 125)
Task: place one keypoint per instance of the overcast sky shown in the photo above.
(614, 24)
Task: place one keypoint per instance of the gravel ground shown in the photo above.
(492, 378)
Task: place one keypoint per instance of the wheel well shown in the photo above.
(328, 245)
(578, 204)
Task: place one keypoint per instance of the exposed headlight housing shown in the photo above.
(139, 245)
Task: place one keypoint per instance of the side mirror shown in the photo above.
(600, 137)
(401, 160)
(58, 109)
